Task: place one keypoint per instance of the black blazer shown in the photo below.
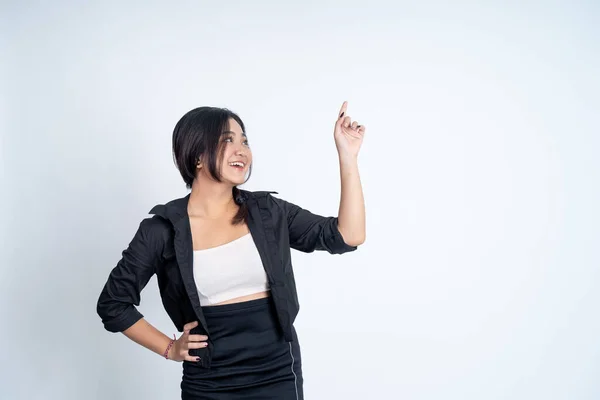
(163, 246)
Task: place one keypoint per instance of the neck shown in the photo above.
(210, 199)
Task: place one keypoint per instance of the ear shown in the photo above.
(198, 164)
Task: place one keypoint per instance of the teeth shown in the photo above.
(237, 164)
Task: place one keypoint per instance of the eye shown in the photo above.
(230, 139)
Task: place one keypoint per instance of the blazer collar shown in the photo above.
(176, 210)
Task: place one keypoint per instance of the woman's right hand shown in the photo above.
(180, 349)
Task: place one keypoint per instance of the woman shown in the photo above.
(223, 266)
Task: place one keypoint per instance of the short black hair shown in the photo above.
(197, 136)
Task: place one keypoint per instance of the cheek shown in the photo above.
(227, 154)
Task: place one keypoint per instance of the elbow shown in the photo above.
(354, 238)
(120, 320)
(355, 241)
(116, 315)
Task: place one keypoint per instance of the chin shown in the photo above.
(234, 180)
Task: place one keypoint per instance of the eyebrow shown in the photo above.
(226, 132)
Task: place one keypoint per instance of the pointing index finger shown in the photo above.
(343, 109)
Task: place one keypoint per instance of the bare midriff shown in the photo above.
(249, 297)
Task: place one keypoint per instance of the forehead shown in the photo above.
(234, 127)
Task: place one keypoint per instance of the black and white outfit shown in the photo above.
(253, 350)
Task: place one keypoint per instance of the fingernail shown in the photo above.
(341, 115)
(205, 344)
(197, 358)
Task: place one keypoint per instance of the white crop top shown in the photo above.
(228, 271)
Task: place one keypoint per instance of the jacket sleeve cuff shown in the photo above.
(335, 241)
(125, 320)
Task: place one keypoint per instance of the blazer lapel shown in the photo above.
(258, 236)
(185, 259)
(260, 228)
(176, 212)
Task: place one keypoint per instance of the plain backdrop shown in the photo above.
(480, 275)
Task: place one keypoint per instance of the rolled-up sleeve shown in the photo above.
(121, 294)
(309, 232)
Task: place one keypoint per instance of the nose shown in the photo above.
(240, 151)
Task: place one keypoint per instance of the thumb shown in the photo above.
(188, 327)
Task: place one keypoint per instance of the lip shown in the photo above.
(238, 168)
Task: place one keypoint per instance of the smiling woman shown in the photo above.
(238, 158)
(205, 142)
(223, 264)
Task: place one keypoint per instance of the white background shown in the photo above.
(480, 275)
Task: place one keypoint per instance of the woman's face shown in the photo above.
(237, 155)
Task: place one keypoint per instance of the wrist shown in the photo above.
(347, 159)
(170, 349)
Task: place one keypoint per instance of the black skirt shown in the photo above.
(250, 357)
